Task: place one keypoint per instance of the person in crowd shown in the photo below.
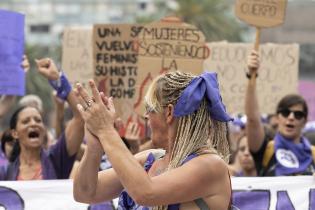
(132, 137)
(272, 121)
(35, 101)
(234, 164)
(59, 115)
(309, 132)
(236, 131)
(188, 174)
(289, 153)
(245, 159)
(31, 100)
(28, 160)
(7, 143)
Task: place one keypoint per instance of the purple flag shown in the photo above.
(12, 76)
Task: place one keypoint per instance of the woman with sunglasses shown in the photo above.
(289, 153)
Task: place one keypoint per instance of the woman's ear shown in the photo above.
(14, 134)
(169, 113)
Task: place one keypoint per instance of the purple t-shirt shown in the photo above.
(126, 202)
(3, 159)
(56, 163)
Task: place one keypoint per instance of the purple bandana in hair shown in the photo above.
(206, 85)
(292, 158)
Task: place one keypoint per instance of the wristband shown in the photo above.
(248, 75)
(62, 86)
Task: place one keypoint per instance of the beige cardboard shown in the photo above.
(168, 45)
(77, 54)
(278, 73)
(115, 65)
(261, 13)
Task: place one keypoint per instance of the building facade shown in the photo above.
(45, 19)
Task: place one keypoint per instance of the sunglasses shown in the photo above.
(149, 109)
(297, 114)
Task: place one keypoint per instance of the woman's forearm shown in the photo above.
(254, 126)
(131, 174)
(75, 128)
(85, 181)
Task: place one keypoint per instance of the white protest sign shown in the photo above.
(273, 193)
(278, 73)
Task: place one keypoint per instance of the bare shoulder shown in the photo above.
(210, 164)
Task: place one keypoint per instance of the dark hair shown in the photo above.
(269, 116)
(13, 122)
(234, 153)
(15, 152)
(290, 100)
(6, 137)
(15, 116)
(238, 142)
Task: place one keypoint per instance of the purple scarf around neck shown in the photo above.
(292, 158)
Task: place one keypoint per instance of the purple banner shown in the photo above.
(10, 199)
(306, 89)
(12, 76)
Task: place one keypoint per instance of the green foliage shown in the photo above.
(215, 18)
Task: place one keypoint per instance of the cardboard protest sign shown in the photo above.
(261, 13)
(12, 75)
(306, 89)
(278, 73)
(115, 64)
(168, 45)
(77, 60)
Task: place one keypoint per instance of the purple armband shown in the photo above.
(62, 86)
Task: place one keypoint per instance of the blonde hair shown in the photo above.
(195, 132)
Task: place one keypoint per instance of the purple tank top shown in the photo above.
(127, 203)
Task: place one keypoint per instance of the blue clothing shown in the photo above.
(107, 205)
(127, 203)
(56, 163)
(105, 164)
(292, 158)
(3, 159)
(204, 86)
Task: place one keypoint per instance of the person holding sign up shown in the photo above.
(29, 160)
(188, 120)
(289, 153)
